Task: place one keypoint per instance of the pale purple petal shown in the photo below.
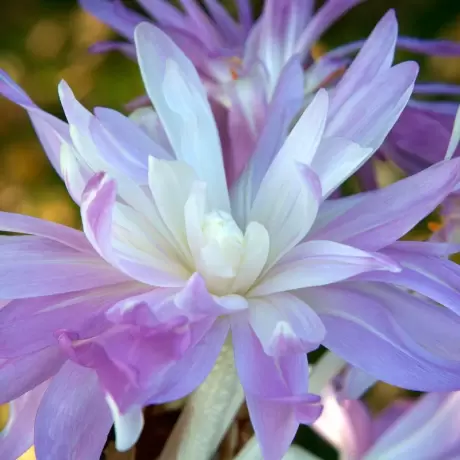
(137, 146)
(50, 130)
(226, 25)
(434, 416)
(367, 115)
(29, 325)
(172, 82)
(284, 324)
(317, 263)
(285, 104)
(281, 24)
(73, 419)
(390, 415)
(115, 14)
(432, 275)
(323, 18)
(103, 47)
(22, 374)
(401, 206)
(375, 58)
(354, 383)
(275, 388)
(18, 223)
(390, 334)
(18, 434)
(49, 268)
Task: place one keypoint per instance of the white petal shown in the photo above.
(256, 247)
(181, 103)
(170, 183)
(128, 426)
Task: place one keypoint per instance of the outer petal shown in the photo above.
(114, 14)
(432, 275)
(276, 391)
(367, 115)
(375, 57)
(434, 416)
(413, 342)
(18, 435)
(30, 325)
(48, 267)
(172, 82)
(18, 223)
(285, 325)
(401, 206)
(49, 129)
(316, 263)
(20, 375)
(73, 419)
(323, 18)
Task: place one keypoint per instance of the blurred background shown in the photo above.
(44, 41)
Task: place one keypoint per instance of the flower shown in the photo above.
(240, 64)
(172, 263)
(423, 429)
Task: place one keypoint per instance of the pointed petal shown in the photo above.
(285, 104)
(50, 130)
(18, 223)
(412, 341)
(284, 324)
(317, 263)
(434, 416)
(114, 14)
(374, 58)
(173, 83)
(286, 205)
(402, 205)
(73, 419)
(276, 390)
(431, 275)
(323, 18)
(367, 115)
(96, 211)
(18, 434)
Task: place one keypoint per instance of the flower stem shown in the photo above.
(208, 413)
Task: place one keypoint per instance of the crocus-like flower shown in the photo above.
(425, 429)
(241, 62)
(172, 263)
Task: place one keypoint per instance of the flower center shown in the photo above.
(223, 243)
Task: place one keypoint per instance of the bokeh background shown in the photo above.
(44, 41)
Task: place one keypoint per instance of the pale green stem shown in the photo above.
(207, 414)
